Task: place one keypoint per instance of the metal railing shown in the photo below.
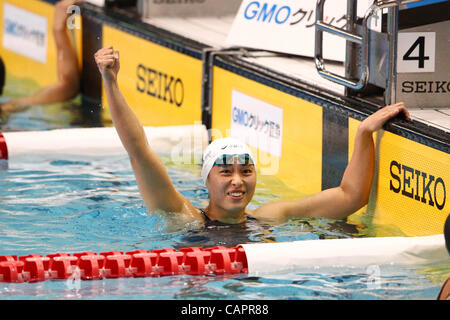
(361, 40)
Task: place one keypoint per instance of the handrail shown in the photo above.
(363, 41)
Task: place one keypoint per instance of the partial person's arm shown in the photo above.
(354, 190)
(153, 180)
(444, 294)
(68, 83)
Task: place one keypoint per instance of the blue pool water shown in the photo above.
(52, 204)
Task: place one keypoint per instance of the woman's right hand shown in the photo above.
(108, 63)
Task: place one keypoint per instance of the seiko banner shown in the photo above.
(288, 26)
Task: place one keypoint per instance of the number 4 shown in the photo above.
(420, 42)
(416, 52)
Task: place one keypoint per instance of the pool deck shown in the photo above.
(213, 31)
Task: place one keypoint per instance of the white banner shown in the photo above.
(25, 33)
(257, 123)
(416, 52)
(189, 8)
(288, 26)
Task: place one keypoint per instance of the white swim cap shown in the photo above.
(223, 146)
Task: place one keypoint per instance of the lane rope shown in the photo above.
(3, 148)
(218, 260)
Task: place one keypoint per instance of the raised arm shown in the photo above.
(354, 190)
(153, 180)
(67, 86)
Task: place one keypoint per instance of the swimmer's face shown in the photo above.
(231, 187)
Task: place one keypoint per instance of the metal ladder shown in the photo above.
(360, 37)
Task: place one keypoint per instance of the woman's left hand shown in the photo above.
(376, 121)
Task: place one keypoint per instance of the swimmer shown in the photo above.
(229, 170)
(2, 75)
(68, 83)
(444, 294)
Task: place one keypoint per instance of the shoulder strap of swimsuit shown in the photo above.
(204, 215)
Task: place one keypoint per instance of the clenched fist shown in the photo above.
(108, 63)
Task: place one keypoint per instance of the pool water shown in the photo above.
(72, 114)
(54, 203)
(50, 204)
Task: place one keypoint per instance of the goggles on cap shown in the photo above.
(229, 159)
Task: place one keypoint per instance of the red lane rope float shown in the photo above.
(115, 264)
(3, 148)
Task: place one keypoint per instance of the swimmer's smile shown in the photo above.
(236, 194)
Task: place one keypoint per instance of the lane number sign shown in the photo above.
(416, 52)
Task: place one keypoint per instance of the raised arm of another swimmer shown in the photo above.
(152, 178)
(67, 86)
(354, 190)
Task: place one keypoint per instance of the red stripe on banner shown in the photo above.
(3, 148)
